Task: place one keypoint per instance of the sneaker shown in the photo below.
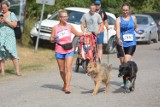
(122, 85)
(127, 84)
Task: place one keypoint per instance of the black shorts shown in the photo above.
(121, 51)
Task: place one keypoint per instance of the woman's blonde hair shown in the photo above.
(60, 11)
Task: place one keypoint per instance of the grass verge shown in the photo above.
(42, 59)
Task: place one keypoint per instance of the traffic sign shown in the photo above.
(48, 2)
(43, 2)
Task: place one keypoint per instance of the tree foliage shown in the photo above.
(114, 6)
(33, 10)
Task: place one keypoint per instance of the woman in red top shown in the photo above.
(61, 34)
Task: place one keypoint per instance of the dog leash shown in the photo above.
(108, 41)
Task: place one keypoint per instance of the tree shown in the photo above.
(113, 6)
(34, 10)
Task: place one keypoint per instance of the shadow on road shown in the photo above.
(115, 83)
(51, 86)
(91, 91)
(119, 90)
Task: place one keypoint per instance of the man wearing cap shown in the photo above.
(105, 23)
(92, 22)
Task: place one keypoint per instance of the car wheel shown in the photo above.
(77, 65)
(156, 39)
(111, 46)
(85, 64)
(149, 39)
(158, 36)
(75, 44)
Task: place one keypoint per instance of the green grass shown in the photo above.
(30, 60)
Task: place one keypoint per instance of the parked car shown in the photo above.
(148, 25)
(156, 17)
(75, 14)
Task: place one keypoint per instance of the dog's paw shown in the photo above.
(126, 90)
(131, 89)
(93, 94)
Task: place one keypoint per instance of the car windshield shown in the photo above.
(73, 16)
(111, 21)
(142, 20)
(156, 16)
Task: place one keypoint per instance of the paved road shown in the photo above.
(43, 89)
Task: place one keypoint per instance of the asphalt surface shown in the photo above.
(43, 89)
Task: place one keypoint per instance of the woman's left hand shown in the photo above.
(56, 38)
(5, 20)
(140, 31)
(119, 41)
(2, 20)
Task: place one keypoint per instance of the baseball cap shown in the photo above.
(97, 2)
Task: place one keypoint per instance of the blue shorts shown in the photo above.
(100, 38)
(62, 56)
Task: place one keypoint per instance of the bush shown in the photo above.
(26, 39)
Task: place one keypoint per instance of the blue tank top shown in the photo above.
(127, 30)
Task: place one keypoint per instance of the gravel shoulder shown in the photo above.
(43, 89)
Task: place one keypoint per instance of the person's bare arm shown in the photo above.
(83, 27)
(75, 32)
(12, 24)
(118, 30)
(52, 40)
(100, 26)
(115, 26)
(105, 20)
(136, 26)
(118, 27)
(106, 24)
(135, 22)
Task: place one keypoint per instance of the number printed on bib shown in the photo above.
(128, 37)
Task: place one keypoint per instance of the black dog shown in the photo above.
(128, 71)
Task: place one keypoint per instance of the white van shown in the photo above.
(75, 14)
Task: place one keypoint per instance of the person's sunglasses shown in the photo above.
(64, 16)
(125, 10)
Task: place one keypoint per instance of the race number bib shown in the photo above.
(128, 37)
(63, 33)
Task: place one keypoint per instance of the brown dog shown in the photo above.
(99, 73)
